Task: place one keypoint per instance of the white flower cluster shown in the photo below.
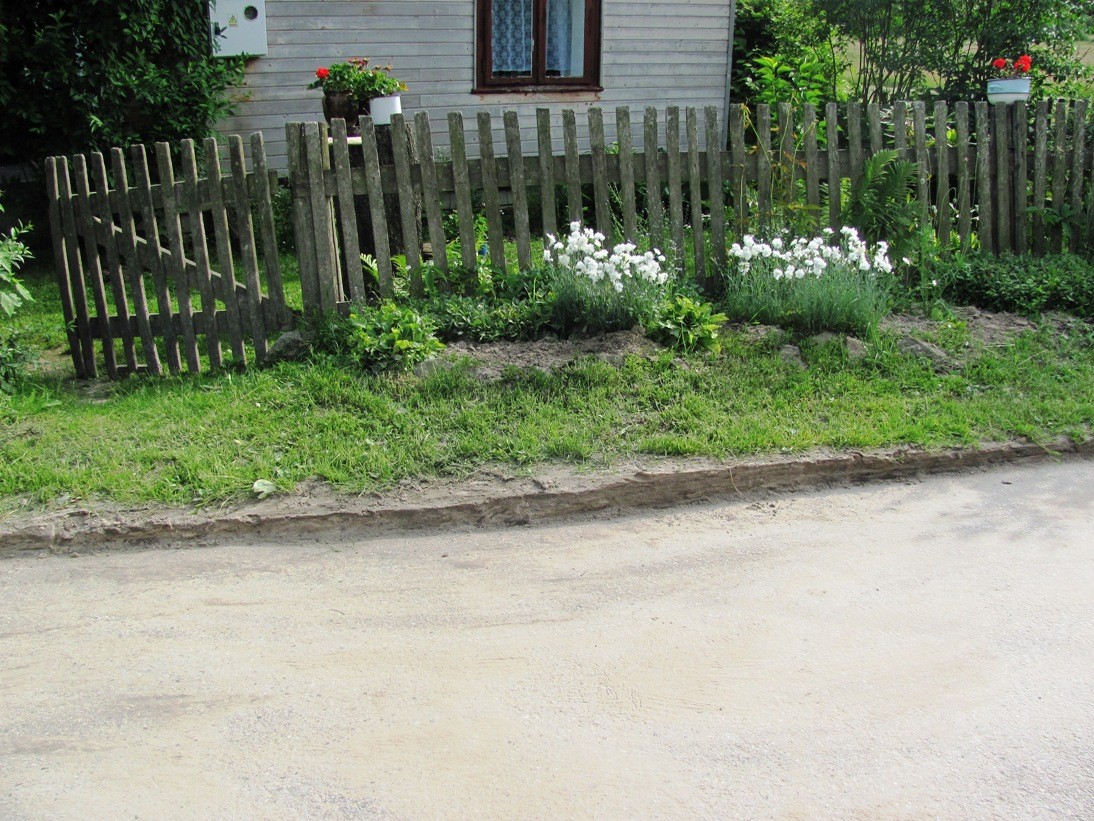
(800, 257)
(584, 252)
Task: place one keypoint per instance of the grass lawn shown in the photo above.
(207, 439)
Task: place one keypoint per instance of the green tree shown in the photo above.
(943, 48)
(100, 73)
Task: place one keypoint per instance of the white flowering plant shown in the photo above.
(596, 289)
(831, 282)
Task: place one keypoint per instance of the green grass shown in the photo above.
(207, 439)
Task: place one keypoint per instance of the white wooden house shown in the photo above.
(474, 55)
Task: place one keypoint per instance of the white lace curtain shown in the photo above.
(512, 36)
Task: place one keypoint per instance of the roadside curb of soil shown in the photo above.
(507, 502)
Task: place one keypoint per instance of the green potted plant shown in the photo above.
(377, 91)
(339, 94)
(1011, 83)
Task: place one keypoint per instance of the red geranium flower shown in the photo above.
(999, 63)
(322, 73)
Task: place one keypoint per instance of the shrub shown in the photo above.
(594, 290)
(687, 325)
(810, 285)
(487, 319)
(1022, 284)
(390, 337)
(13, 294)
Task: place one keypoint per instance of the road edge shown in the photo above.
(528, 502)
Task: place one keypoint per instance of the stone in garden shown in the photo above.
(823, 338)
(911, 346)
(856, 348)
(289, 347)
(792, 355)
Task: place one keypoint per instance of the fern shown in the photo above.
(883, 204)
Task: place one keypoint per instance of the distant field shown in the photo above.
(1086, 52)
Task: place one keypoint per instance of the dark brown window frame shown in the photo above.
(487, 83)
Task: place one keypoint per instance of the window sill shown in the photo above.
(527, 91)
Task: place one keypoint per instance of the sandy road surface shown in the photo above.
(901, 651)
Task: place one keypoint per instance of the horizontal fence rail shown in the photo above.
(150, 266)
(159, 265)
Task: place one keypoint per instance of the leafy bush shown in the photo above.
(78, 75)
(390, 337)
(487, 319)
(687, 325)
(1022, 284)
(810, 285)
(594, 290)
(13, 294)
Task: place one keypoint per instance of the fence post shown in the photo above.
(299, 185)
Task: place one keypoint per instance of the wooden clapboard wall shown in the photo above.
(1000, 178)
(654, 51)
(158, 265)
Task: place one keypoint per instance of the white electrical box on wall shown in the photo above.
(238, 27)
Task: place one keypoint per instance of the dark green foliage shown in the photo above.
(13, 294)
(883, 204)
(1021, 284)
(100, 73)
(390, 337)
(789, 32)
(687, 325)
(487, 319)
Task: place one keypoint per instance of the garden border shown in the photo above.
(524, 501)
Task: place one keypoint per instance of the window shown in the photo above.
(532, 45)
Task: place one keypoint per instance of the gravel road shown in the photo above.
(897, 651)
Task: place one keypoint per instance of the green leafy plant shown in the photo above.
(13, 294)
(687, 325)
(76, 76)
(1022, 284)
(883, 205)
(356, 77)
(391, 337)
(488, 319)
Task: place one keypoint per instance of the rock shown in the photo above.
(289, 347)
(911, 346)
(823, 338)
(792, 355)
(856, 348)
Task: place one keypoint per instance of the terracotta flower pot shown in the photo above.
(341, 105)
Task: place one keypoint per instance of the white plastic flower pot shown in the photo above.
(382, 108)
(1008, 91)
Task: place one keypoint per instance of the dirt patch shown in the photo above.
(985, 327)
(551, 352)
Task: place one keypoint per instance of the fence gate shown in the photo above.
(161, 265)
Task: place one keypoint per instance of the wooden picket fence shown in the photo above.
(135, 266)
(1002, 178)
(990, 174)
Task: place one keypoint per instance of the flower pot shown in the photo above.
(341, 105)
(382, 108)
(1008, 91)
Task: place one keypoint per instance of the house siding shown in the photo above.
(670, 52)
